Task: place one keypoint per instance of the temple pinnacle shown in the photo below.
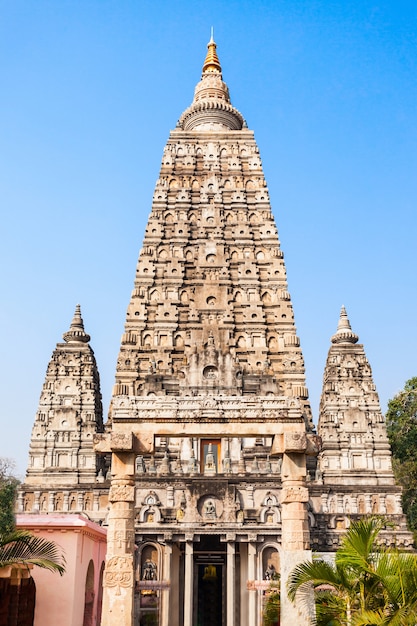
(211, 108)
(76, 333)
(344, 333)
(212, 63)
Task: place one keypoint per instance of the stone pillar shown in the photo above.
(20, 502)
(252, 576)
(165, 593)
(295, 528)
(230, 584)
(118, 582)
(188, 584)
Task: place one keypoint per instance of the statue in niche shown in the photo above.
(180, 515)
(270, 573)
(149, 570)
(210, 572)
(210, 509)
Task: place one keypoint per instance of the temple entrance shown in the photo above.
(209, 582)
(17, 602)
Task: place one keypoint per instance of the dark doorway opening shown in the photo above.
(210, 582)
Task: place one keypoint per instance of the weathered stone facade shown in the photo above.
(214, 486)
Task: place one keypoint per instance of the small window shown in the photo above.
(208, 446)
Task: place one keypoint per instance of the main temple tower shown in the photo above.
(210, 424)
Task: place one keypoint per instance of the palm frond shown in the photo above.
(312, 573)
(20, 547)
(359, 546)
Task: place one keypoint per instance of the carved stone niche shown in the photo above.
(270, 512)
(210, 508)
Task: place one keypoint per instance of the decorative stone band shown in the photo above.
(119, 572)
(211, 110)
(259, 585)
(122, 493)
(189, 408)
(294, 494)
(296, 540)
(153, 584)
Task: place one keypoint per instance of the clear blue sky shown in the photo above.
(89, 92)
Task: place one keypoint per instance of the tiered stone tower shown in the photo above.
(63, 466)
(354, 474)
(210, 430)
(210, 416)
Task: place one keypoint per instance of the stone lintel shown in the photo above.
(124, 442)
(143, 441)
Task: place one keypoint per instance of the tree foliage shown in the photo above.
(8, 490)
(401, 420)
(365, 586)
(18, 546)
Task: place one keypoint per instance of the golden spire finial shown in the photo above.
(212, 63)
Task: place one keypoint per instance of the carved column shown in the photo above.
(252, 576)
(166, 592)
(188, 584)
(295, 528)
(118, 583)
(230, 593)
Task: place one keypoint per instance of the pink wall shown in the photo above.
(61, 600)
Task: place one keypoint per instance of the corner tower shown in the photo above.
(63, 466)
(354, 476)
(210, 418)
(351, 423)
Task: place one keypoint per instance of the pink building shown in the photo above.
(75, 598)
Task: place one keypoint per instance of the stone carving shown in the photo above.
(122, 493)
(295, 442)
(210, 509)
(294, 494)
(118, 572)
(121, 441)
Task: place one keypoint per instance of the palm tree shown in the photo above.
(365, 586)
(21, 548)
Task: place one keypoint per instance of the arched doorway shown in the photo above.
(100, 596)
(89, 596)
